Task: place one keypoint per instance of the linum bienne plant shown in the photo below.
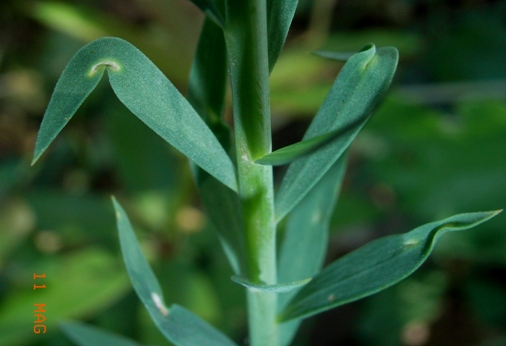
(233, 172)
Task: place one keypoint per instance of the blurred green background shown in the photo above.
(435, 147)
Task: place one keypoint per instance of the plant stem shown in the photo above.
(246, 37)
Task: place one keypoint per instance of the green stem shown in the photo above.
(246, 37)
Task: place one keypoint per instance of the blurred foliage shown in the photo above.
(435, 147)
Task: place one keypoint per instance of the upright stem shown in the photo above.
(246, 37)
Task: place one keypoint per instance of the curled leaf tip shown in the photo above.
(388, 260)
(106, 63)
(144, 90)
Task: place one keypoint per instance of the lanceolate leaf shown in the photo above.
(362, 82)
(180, 326)
(211, 10)
(279, 17)
(87, 335)
(277, 288)
(208, 76)
(375, 266)
(305, 240)
(295, 151)
(143, 88)
(206, 94)
(223, 207)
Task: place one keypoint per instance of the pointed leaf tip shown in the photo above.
(306, 147)
(180, 326)
(360, 85)
(375, 266)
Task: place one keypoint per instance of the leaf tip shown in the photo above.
(117, 208)
(490, 214)
(261, 161)
(104, 63)
(37, 153)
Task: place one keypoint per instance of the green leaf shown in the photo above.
(143, 88)
(338, 56)
(224, 210)
(279, 17)
(179, 325)
(206, 93)
(277, 288)
(298, 150)
(87, 335)
(305, 240)
(375, 266)
(362, 82)
(211, 11)
(208, 75)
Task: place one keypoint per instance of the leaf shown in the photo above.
(298, 150)
(375, 266)
(87, 335)
(179, 325)
(338, 56)
(305, 240)
(142, 87)
(224, 210)
(362, 82)
(277, 288)
(208, 76)
(279, 17)
(211, 11)
(206, 93)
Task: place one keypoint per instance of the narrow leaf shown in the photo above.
(298, 150)
(224, 210)
(362, 82)
(206, 93)
(375, 266)
(338, 56)
(143, 88)
(88, 335)
(211, 11)
(208, 75)
(277, 288)
(279, 17)
(179, 325)
(305, 239)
